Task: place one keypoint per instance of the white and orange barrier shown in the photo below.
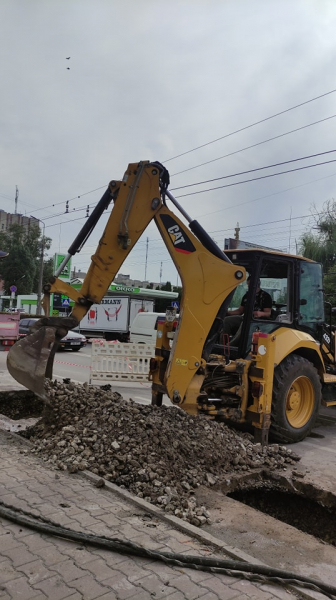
(115, 361)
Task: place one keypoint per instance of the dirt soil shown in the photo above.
(20, 404)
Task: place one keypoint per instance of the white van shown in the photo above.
(144, 327)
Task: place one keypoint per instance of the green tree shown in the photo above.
(22, 265)
(321, 246)
(162, 303)
(329, 284)
(48, 269)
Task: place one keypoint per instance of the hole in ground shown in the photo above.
(300, 512)
(20, 405)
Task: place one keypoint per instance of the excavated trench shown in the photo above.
(300, 512)
(279, 492)
(285, 496)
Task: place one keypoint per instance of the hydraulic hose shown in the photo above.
(232, 568)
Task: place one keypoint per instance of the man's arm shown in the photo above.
(262, 314)
(236, 311)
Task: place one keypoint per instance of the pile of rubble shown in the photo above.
(160, 454)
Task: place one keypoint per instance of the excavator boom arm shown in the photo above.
(208, 279)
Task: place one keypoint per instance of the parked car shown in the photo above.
(73, 340)
(144, 327)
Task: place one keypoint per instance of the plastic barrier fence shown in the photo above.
(114, 361)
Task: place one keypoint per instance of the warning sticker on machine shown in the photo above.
(182, 362)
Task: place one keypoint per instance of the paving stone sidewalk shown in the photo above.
(38, 567)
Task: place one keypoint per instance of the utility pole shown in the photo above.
(160, 272)
(237, 230)
(147, 240)
(16, 199)
(39, 289)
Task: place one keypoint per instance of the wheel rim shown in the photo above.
(300, 402)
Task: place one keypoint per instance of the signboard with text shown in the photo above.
(110, 315)
(65, 275)
(122, 288)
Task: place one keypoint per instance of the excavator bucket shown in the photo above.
(30, 360)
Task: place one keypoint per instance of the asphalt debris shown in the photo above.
(161, 454)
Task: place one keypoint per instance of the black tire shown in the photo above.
(75, 349)
(296, 399)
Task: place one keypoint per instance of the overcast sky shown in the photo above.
(151, 79)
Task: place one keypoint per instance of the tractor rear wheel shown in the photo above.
(296, 399)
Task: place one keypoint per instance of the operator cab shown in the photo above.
(295, 286)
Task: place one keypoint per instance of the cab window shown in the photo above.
(311, 310)
(240, 291)
(275, 280)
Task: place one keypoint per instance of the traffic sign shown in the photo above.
(65, 302)
(13, 288)
(65, 275)
(175, 304)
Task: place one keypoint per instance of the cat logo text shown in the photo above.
(176, 235)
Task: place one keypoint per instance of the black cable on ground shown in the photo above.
(233, 568)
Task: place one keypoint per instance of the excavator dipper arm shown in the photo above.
(208, 280)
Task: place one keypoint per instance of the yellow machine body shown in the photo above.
(184, 367)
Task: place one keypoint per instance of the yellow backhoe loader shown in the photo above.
(270, 375)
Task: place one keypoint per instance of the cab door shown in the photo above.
(276, 276)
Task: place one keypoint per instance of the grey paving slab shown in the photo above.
(38, 566)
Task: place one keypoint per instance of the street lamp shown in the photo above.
(39, 289)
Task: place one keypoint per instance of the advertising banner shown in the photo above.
(110, 315)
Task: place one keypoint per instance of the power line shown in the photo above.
(276, 137)
(251, 125)
(255, 200)
(211, 142)
(228, 229)
(219, 187)
(286, 162)
(267, 222)
(205, 163)
(74, 198)
(80, 208)
(6, 197)
(267, 196)
(219, 231)
(208, 162)
(65, 222)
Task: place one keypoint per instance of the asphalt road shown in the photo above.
(76, 366)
